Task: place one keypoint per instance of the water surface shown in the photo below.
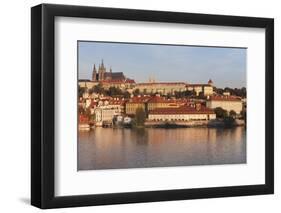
(107, 148)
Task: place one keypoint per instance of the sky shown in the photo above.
(170, 63)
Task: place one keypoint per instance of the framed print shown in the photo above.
(139, 106)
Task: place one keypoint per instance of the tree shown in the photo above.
(114, 91)
(184, 94)
(232, 113)
(136, 92)
(98, 89)
(140, 116)
(81, 110)
(127, 95)
(220, 112)
(244, 114)
(219, 91)
(81, 90)
(91, 91)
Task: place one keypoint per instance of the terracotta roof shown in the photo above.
(182, 110)
(225, 98)
(116, 102)
(93, 104)
(141, 99)
(115, 81)
(157, 99)
(160, 83)
(130, 81)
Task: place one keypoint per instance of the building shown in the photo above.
(160, 102)
(184, 113)
(205, 89)
(111, 79)
(105, 114)
(84, 83)
(136, 102)
(228, 103)
(121, 84)
(118, 105)
(102, 75)
(163, 88)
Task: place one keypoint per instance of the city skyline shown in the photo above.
(190, 64)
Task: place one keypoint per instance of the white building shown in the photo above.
(161, 87)
(87, 84)
(105, 114)
(228, 103)
(184, 113)
(206, 89)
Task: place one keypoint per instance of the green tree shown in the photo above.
(98, 89)
(91, 91)
(127, 95)
(244, 114)
(114, 91)
(220, 112)
(140, 116)
(232, 113)
(229, 121)
(219, 91)
(81, 90)
(136, 92)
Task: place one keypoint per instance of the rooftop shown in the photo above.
(182, 110)
(161, 83)
(225, 98)
(141, 99)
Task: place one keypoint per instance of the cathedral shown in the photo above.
(102, 75)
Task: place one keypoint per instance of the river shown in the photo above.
(108, 148)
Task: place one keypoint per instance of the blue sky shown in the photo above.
(191, 64)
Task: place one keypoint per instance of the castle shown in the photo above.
(102, 75)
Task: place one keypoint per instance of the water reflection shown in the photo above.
(106, 148)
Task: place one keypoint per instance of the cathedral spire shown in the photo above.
(94, 74)
(102, 65)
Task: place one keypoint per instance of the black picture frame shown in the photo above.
(43, 102)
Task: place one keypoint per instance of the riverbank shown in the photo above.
(186, 124)
(218, 123)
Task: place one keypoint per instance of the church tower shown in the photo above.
(210, 82)
(102, 71)
(99, 73)
(94, 74)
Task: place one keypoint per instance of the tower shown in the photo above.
(210, 82)
(94, 74)
(99, 73)
(102, 71)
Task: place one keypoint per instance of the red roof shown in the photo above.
(158, 99)
(116, 102)
(225, 98)
(117, 81)
(182, 110)
(137, 100)
(160, 83)
(130, 81)
(94, 104)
